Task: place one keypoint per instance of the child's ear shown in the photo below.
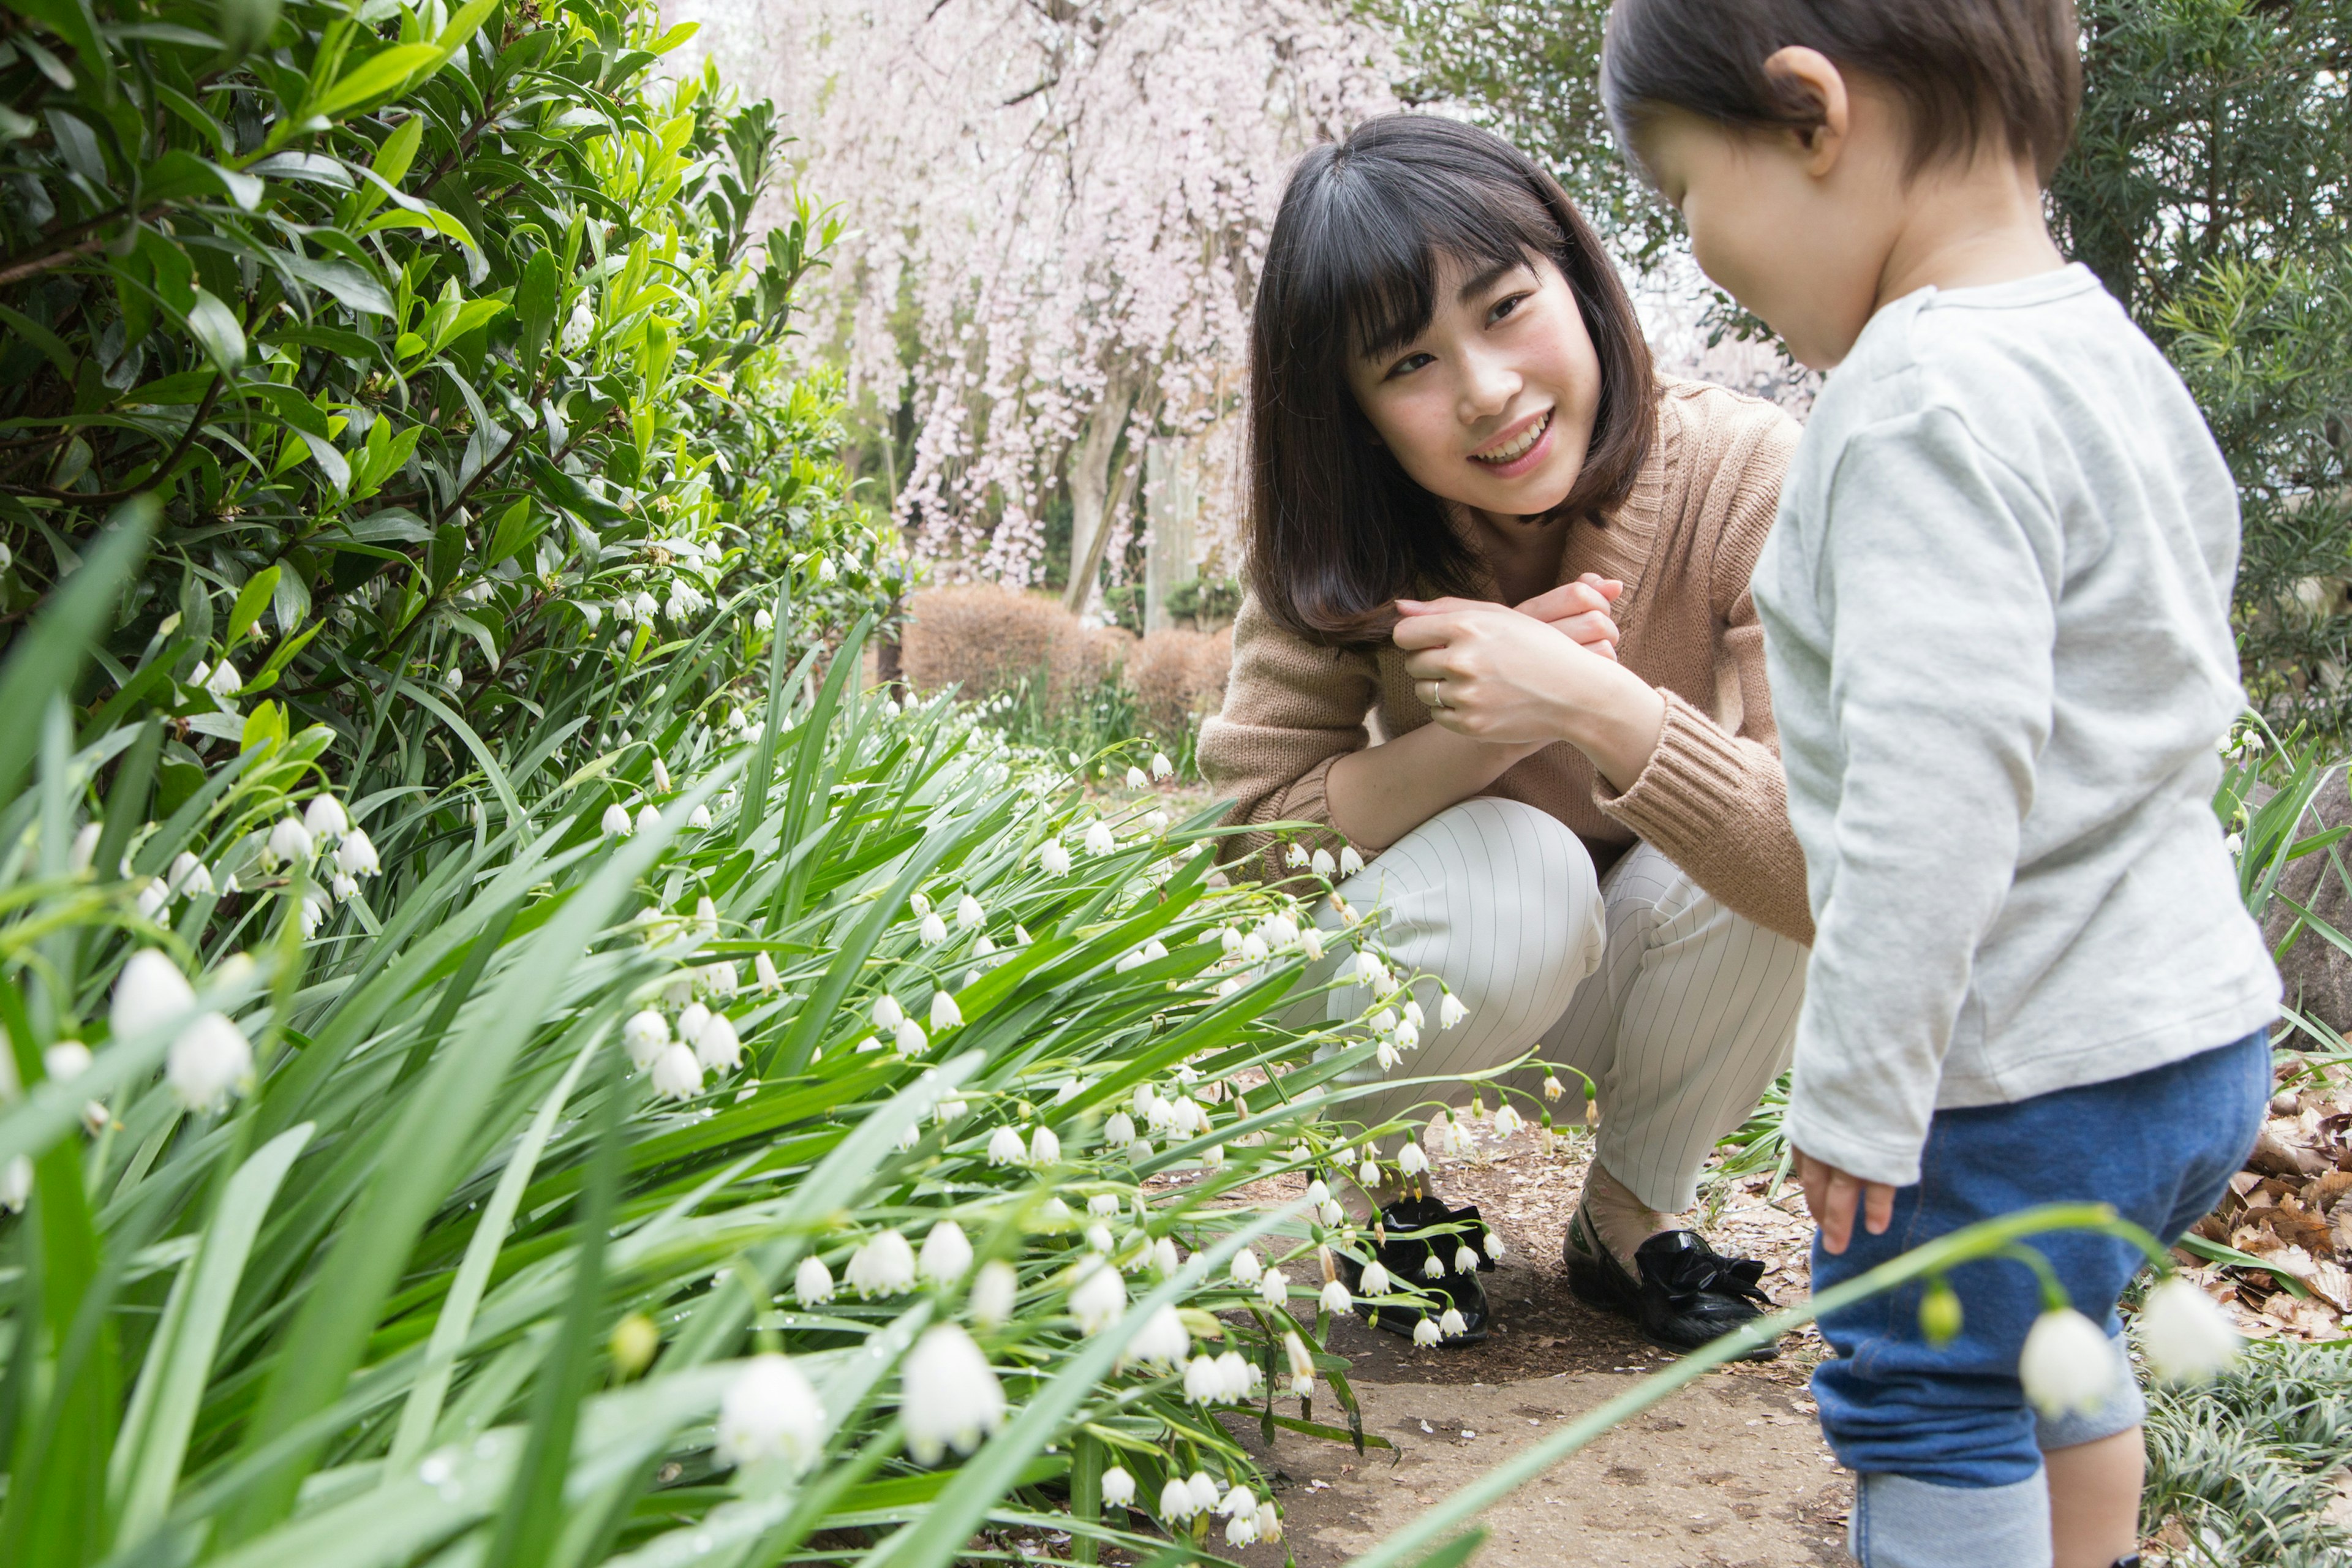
(1811, 77)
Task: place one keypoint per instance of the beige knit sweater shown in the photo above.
(1712, 798)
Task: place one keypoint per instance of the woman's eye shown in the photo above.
(1505, 307)
(1409, 363)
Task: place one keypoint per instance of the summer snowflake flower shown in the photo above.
(887, 1013)
(676, 1075)
(661, 777)
(2067, 1364)
(1310, 942)
(1246, 1267)
(648, 819)
(910, 1038)
(16, 1184)
(210, 1058)
(1425, 1332)
(692, 1022)
(771, 1412)
(1324, 866)
(1494, 1246)
(992, 1293)
(577, 327)
(1368, 1174)
(150, 991)
(355, 855)
(1098, 1298)
(1175, 1497)
(1241, 1501)
(933, 930)
(644, 1036)
(616, 822)
(1118, 1130)
(953, 1398)
(883, 1265)
(1269, 1522)
(1507, 1120)
(970, 916)
(1004, 1146)
(1376, 1281)
(699, 818)
(1274, 1289)
(2186, 1336)
(1163, 1340)
(223, 683)
(324, 819)
(1118, 1488)
(1045, 1147)
(705, 911)
(1098, 839)
(1349, 862)
(1135, 779)
(813, 1282)
(1452, 1324)
(289, 842)
(1466, 1260)
(764, 970)
(1295, 858)
(1054, 859)
(1205, 1491)
(947, 1254)
(1336, 1299)
(1161, 766)
(945, 1014)
(718, 1046)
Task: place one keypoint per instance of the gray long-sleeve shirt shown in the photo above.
(1996, 618)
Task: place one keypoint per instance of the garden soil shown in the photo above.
(1731, 1470)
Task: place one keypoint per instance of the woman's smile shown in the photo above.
(1520, 449)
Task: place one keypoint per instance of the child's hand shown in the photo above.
(1831, 1193)
(1580, 611)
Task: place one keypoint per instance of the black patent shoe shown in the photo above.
(1681, 1292)
(1405, 1255)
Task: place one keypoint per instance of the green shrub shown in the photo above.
(2246, 1468)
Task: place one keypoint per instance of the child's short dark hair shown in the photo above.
(1966, 70)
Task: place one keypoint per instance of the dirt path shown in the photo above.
(1732, 1471)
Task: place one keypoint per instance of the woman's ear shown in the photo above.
(1811, 74)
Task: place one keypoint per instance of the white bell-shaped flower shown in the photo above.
(661, 777)
(1466, 1260)
(1161, 766)
(1336, 1299)
(1432, 1267)
(1349, 862)
(1099, 839)
(677, 1074)
(1450, 1011)
(771, 1412)
(763, 972)
(1507, 1120)
(813, 1281)
(223, 680)
(1495, 1248)
(189, 878)
(1375, 1280)
(947, 1254)
(1412, 1160)
(1054, 859)
(289, 843)
(150, 991)
(645, 1036)
(2068, 1364)
(615, 824)
(887, 1013)
(1135, 779)
(953, 1398)
(945, 1014)
(1005, 1148)
(1246, 1267)
(648, 819)
(718, 1046)
(909, 1039)
(933, 930)
(355, 854)
(692, 1022)
(1269, 1522)
(1162, 1340)
(1118, 1129)
(1322, 863)
(1452, 1324)
(1203, 1382)
(2187, 1335)
(993, 1292)
(65, 1061)
(1098, 1298)
(1117, 1487)
(211, 1059)
(1274, 1288)
(1045, 1147)
(1175, 1497)
(884, 1265)
(699, 818)
(17, 1184)
(970, 915)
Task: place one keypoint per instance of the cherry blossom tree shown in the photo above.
(1057, 210)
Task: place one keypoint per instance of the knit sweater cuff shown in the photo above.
(1677, 801)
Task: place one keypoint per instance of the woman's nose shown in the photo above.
(1489, 384)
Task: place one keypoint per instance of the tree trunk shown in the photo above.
(1092, 479)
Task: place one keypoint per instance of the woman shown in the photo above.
(1482, 524)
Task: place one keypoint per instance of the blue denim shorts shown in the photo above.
(2160, 1145)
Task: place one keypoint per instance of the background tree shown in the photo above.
(1054, 213)
(2206, 188)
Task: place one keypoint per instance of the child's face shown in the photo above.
(1492, 406)
(1802, 244)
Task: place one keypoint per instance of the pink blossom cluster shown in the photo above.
(1057, 214)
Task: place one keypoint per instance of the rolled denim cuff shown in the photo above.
(1899, 1522)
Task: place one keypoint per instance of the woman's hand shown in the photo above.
(1580, 611)
(1503, 676)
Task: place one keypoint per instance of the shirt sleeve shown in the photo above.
(1714, 800)
(1937, 574)
(1292, 709)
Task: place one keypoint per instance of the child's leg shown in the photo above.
(2095, 1499)
(1948, 1452)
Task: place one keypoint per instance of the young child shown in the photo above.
(1995, 605)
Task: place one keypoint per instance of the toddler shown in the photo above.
(1995, 606)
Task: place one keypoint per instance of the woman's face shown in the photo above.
(1493, 405)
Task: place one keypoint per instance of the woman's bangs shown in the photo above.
(1386, 237)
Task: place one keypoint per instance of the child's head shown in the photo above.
(1435, 321)
(1801, 138)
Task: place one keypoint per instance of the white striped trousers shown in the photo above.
(1681, 1011)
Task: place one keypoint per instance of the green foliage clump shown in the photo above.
(2243, 1469)
(442, 341)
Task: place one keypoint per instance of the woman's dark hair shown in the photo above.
(1338, 531)
(1966, 72)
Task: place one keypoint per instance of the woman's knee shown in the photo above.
(1496, 898)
